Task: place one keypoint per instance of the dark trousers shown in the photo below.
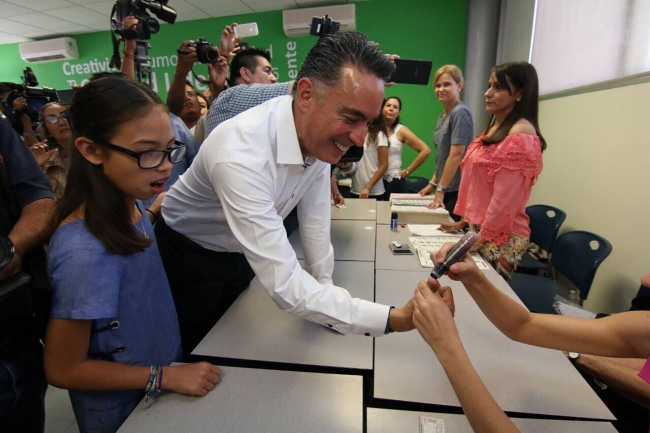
(22, 388)
(395, 186)
(450, 203)
(204, 283)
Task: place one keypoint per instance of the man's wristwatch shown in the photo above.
(441, 188)
(433, 185)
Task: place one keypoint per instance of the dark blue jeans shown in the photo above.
(22, 388)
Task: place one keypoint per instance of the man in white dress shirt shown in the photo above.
(223, 217)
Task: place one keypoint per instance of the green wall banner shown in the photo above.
(415, 29)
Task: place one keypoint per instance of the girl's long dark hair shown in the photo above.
(523, 77)
(98, 110)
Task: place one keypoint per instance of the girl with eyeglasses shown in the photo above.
(113, 330)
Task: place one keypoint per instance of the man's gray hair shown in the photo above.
(325, 61)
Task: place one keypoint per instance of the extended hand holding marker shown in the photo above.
(463, 245)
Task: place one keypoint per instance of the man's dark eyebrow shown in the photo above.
(354, 112)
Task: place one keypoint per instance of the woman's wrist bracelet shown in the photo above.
(154, 214)
(128, 55)
(338, 194)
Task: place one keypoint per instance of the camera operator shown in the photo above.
(182, 99)
(13, 105)
(26, 203)
(129, 23)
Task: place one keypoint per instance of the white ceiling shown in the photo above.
(28, 20)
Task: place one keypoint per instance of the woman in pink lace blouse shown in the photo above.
(501, 165)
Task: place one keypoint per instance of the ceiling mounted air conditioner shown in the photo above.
(297, 22)
(49, 50)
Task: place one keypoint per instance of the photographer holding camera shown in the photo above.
(26, 203)
(13, 106)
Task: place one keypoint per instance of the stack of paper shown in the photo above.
(426, 245)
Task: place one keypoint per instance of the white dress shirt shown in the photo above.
(248, 175)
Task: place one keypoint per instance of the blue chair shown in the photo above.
(545, 223)
(414, 184)
(577, 255)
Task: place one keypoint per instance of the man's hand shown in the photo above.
(218, 72)
(129, 23)
(392, 58)
(19, 103)
(186, 57)
(229, 41)
(401, 319)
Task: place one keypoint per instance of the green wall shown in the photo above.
(415, 29)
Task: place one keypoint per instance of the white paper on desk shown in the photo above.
(418, 209)
(429, 230)
(426, 245)
(430, 425)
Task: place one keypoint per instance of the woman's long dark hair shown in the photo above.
(389, 128)
(376, 126)
(381, 120)
(98, 110)
(523, 78)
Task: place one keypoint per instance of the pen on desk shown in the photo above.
(457, 251)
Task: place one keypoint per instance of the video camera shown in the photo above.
(35, 96)
(147, 25)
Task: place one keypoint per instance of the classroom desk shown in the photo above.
(356, 209)
(351, 240)
(383, 212)
(256, 330)
(385, 259)
(522, 378)
(391, 421)
(249, 400)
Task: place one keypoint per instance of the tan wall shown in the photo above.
(597, 169)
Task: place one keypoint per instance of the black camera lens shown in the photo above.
(207, 54)
(6, 252)
(151, 25)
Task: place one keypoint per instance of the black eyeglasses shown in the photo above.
(152, 158)
(52, 119)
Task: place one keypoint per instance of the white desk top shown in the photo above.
(383, 212)
(249, 400)
(391, 421)
(385, 259)
(521, 378)
(356, 209)
(351, 240)
(254, 328)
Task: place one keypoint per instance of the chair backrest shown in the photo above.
(414, 184)
(545, 223)
(578, 255)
